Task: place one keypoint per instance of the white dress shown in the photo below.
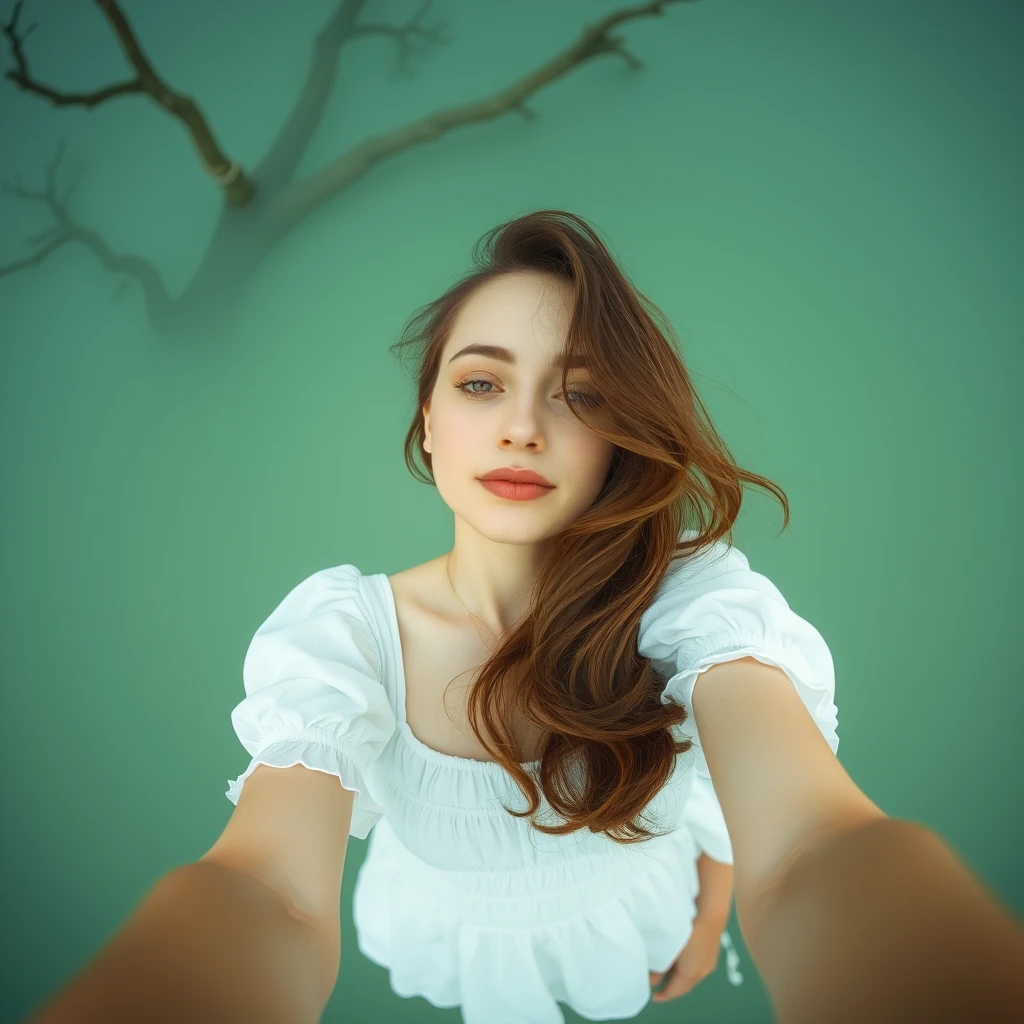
(462, 903)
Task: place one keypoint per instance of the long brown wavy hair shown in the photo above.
(571, 666)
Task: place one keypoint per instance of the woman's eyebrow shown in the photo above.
(506, 355)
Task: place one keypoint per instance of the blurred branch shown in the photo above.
(68, 230)
(596, 40)
(238, 188)
(247, 231)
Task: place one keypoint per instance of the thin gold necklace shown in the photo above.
(468, 612)
(463, 603)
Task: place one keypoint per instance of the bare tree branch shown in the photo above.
(285, 152)
(246, 232)
(299, 199)
(237, 186)
(21, 76)
(68, 230)
(405, 35)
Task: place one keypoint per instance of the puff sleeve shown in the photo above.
(712, 607)
(313, 690)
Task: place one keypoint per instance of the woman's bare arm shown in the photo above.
(885, 923)
(714, 901)
(206, 945)
(850, 915)
(251, 931)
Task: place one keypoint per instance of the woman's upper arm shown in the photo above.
(290, 831)
(779, 784)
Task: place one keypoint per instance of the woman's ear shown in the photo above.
(426, 427)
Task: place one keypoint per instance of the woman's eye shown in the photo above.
(576, 396)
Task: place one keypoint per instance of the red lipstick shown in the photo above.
(516, 484)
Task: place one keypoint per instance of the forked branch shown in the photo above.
(247, 231)
(66, 230)
(238, 188)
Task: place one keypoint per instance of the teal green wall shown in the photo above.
(824, 198)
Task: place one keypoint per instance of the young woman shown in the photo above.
(513, 722)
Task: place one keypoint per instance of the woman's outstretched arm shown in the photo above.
(883, 922)
(206, 945)
(849, 915)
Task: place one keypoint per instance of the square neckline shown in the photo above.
(412, 741)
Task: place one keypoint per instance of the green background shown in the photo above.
(824, 198)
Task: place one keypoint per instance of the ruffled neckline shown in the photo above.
(471, 764)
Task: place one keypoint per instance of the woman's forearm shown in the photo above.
(884, 922)
(714, 901)
(206, 945)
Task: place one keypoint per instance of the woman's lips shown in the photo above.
(515, 491)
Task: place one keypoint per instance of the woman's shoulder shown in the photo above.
(424, 591)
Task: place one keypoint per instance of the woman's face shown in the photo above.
(518, 415)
